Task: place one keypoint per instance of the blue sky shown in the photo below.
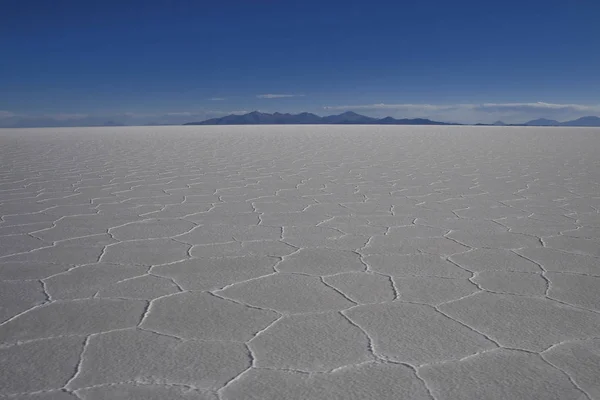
(175, 61)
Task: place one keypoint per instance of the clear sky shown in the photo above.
(175, 61)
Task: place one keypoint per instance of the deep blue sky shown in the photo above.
(155, 57)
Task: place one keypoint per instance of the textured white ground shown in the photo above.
(300, 262)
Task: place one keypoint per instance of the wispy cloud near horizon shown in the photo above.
(65, 116)
(277, 96)
(6, 114)
(10, 119)
(473, 112)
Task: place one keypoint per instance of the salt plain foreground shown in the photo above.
(300, 262)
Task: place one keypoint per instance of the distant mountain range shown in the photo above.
(590, 121)
(258, 118)
(542, 122)
(583, 121)
(352, 118)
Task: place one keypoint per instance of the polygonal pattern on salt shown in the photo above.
(299, 262)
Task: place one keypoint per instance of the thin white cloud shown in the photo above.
(472, 112)
(542, 105)
(217, 99)
(229, 112)
(10, 119)
(277, 96)
(382, 106)
(7, 114)
(179, 114)
(538, 106)
(65, 116)
(137, 115)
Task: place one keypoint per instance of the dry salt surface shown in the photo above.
(300, 262)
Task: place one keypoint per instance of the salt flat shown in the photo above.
(300, 262)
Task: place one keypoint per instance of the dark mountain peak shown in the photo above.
(589, 120)
(349, 117)
(388, 121)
